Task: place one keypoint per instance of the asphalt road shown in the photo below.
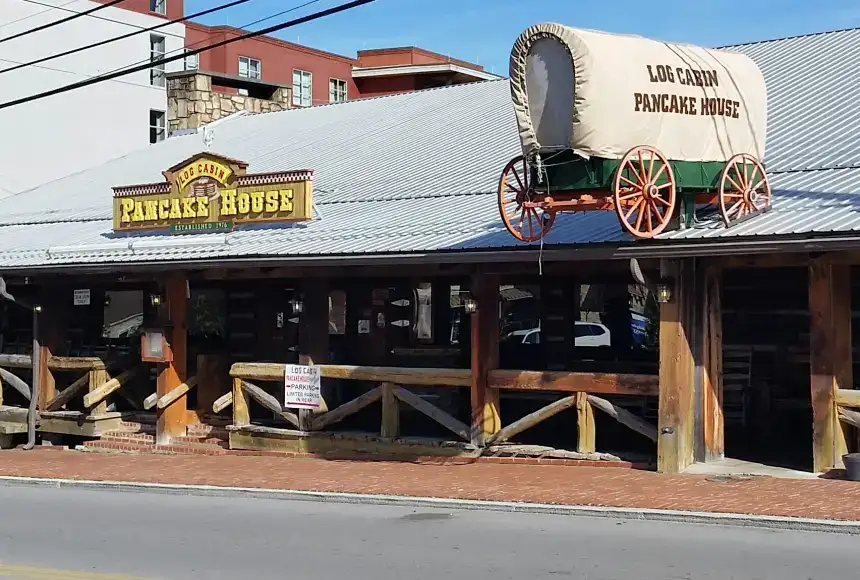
(88, 535)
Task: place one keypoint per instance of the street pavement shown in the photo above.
(78, 534)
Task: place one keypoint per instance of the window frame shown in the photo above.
(162, 115)
(157, 72)
(154, 4)
(310, 99)
(249, 60)
(332, 80)
(185, 61)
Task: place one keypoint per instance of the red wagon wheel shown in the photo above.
(744, 188)
(519, 205)
(645, 191)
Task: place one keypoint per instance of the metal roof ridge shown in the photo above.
(792, 37)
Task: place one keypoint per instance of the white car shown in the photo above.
(585, 334)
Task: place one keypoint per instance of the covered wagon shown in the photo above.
(625, 123)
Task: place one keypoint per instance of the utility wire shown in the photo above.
(243, 27)
(62, 20)
(134, 69)
(124, 36)
(29, 16)
(97, 17)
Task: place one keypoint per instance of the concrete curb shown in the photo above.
(740, 520)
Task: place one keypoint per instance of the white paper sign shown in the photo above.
(302, 387)
(82, 297)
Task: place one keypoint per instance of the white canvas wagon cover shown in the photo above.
(602, 94)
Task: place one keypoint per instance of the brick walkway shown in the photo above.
(815, 498)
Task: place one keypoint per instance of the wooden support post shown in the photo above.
(241, 404)
(830, 359)
(486, 420)
(586, 440)
(712, 351)
(313, 334)
(53, 321)
(173, 420)
(390, 412)
(97, 378)
(676, 407)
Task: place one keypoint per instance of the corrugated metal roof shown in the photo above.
(813, 102)
(418, 173)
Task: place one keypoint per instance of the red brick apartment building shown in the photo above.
(316, 76)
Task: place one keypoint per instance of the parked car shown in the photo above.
(585, 334)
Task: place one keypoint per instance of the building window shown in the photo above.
(192, 61)
(156, 55)
(250, 68)
(336, 91)
(157, 129)
(302, 88)
(158, 6)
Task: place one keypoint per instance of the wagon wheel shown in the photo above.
(644, 192)
(519, 204)
(744, 188)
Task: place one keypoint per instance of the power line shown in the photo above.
(248, 25)
(62, 20)
(29, 16)
(97, 17)
(124, 36)
(123, 72)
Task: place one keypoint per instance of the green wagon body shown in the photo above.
(567, 172)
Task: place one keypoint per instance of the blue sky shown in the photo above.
(483, 31)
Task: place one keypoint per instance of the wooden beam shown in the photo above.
(486, 417)
(180, 391)
(15, 382)
(433, 412)
(222, 402)
(830, 359)
(172, 421)
(16, 361)
(625, 417)
(848, 397)
(390, 412)
(570, 382)
(712, 380)
(100, 393)
(75, 363)
(586, 439)
(269, 402)
(69, 393)
(400, 376)
(532, 419)
(150, 402)
(314, 332)
(850, 417)
(677, 367)
(349, 408)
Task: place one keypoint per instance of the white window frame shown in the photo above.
(300, 99)
(160, 125)
(192, 61)
(249, 68)
(157, 44)
(158, 7)
(337, 90)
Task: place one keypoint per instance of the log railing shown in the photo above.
(845, 400)
(390, 391)
(95, 380)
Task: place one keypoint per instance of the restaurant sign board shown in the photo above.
(212, 193)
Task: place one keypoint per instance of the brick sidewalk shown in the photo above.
(615, 487)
